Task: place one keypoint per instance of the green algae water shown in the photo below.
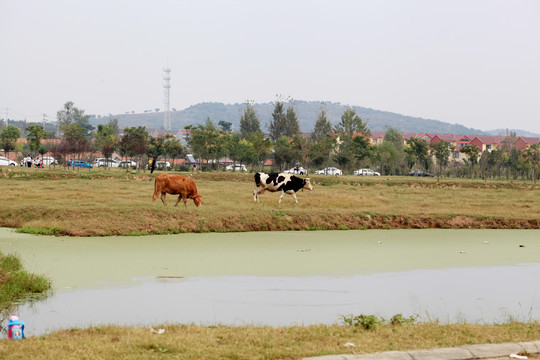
(97, 261)
(281, 278)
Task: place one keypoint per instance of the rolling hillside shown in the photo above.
(307, 112)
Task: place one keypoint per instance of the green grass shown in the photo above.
(16, 284)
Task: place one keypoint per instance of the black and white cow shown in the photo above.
(286, 183)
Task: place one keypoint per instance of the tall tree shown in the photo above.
(472, 152)
(8, 138)
(532, 155)
(225, 125)
(442, 151)
(292, 126)
(351, 123)
(156, 148)
(361, 148)
(418, 149)
(277, 127)
(173, 147)
(134, 143)
(390, 154)
(207, 141)
(283, 154)
(249, 122)
(322, 149)
(106, 141)
(36, 133)
(70, 114)
(113, 123)
(261, 144)
(248, 155)
(323, 127)
(74, 141)
(300, 148)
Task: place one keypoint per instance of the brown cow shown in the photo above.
(179, 185)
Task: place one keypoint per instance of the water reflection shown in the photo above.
(479, 295)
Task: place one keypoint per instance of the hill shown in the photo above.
(307, 112)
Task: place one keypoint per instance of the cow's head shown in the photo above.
(307, 184)
(197, 199)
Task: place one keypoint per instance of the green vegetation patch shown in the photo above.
(41, 231)
(17, 284)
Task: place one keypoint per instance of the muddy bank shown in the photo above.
(192, 222)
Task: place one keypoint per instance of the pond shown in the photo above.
(281, 278)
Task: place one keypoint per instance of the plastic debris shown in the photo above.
(158, 331)
(349, 345)
(516, 356)
(15, 328)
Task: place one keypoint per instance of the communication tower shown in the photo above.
(166, 86)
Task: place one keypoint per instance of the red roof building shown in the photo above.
(487, 142)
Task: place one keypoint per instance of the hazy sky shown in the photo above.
(476, 63)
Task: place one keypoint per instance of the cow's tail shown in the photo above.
(155, 196)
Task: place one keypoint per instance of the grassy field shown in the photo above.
(114, 202)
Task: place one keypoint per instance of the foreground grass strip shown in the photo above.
(223, 342)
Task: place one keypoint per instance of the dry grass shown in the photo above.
(115, 202)
(221, 342)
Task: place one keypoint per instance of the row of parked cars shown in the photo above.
(298, 170)
(4, 161)
(360, 172)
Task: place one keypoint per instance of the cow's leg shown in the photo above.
(163, 194)
(184, 197)
(294, 196)
(256, 193)
(281, 196)
(178, 200)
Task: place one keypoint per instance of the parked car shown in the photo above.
(102, 162)
(47, 160)
(420, 173)
(127, 163)
(329, 171)
(236, 167)
(79, 163)
(5, 161)
(366, 172)
(299, 170)
(161, 165)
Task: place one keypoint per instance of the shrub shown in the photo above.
(368, 322)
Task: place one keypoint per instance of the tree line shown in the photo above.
(345, 145)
